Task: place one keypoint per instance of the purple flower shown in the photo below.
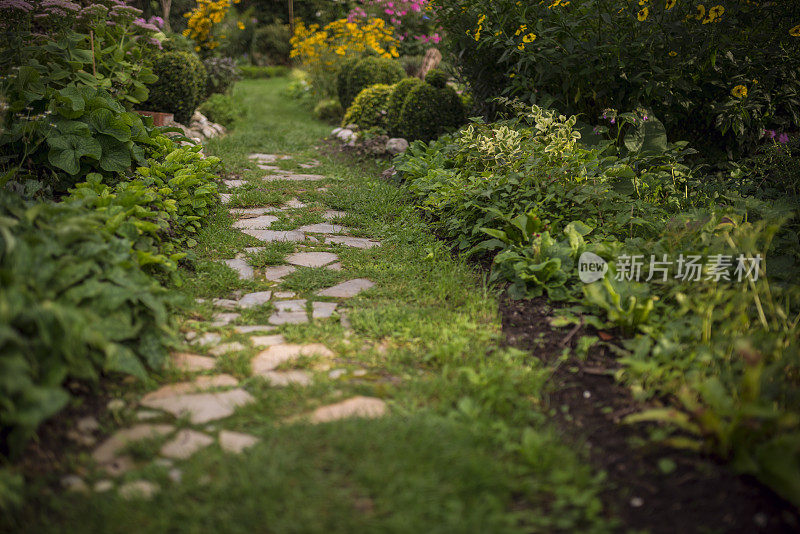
(60, 5)
(783, 138)
(770, 133)
(20, 5)
(156, 21)
(141, 24)
(613, 120)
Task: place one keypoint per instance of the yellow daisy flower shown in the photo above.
(740, 91)
(531, 37)
(240, 24)
(670, 4)
(643, 14)
(701, 12)
(795, 32)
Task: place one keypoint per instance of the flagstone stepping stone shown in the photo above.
(252, 212)
(286, 378)
(225, 198)
(234, 183)
(291, 317)
(225, 303)
(119, 466)
(102, 486)
(269, 236)
(268, 167)
(267, 341)
(348, 289)
(324, 228)
(225, 348)
(185, 443)
(252, 300)
(284, 295)
(201, 383)
(267, 158)
(291, 305)
(310, 165)
(146, 415)
(333, 214)
(107, 451)
(209, 338)
(203, 407)
(262, 222)
(224, 319)
(335, 266)
(311, 259)
(294, 203)
(184, 361)
(292, 177)
(366, 407)
(241, 267)
(322, 310)
(236, 442)
(355, 242)
(138, 489)
(274, 356)
(74, 483)
(249, 329)
(337, 373)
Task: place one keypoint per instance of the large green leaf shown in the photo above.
(67, 150)
(107, 123)
(116, 155)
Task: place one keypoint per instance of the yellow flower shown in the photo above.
(643, 14)
(673, 53)
(511, 75)
(240, 24)
(520, 29)
(642, 2)
(670, 4)
(701, 12)
(531, 37)
(740, 91)
(521, 46)
(795, 32)
(716, 12)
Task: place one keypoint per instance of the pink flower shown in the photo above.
(415, 7)
(783, 138)
(389, 11)
(436, 39)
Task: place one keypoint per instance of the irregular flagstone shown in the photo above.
(286, 378)
(324, 228)
(291, 317)
(252, 212)
(225, 198)
(291, 305)
(367, 407)
(240, 266)
(185, 443)
(235, 442)
(203, 407)
(107, 451)
(284, 295)
(292, 177)
(294, 203)
(225, 303)
(234, 183)
(267, 158)
(347, 289)
(249, 329)
(184, 361)
(274, 356)
(322, 310)
(355, 242)
(209, 338)
(138, 489)
(267, 341)
(268, 167)
(119, 466)
(225, 348)
(311, 259)
(269, 236)
(252, 300)
(310, 165)
(334, 266)
(262, 222)
(224, 319)
(276, 273)
(333, 214)
(201, 383)
(254, 250)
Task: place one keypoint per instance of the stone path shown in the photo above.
(190, 415)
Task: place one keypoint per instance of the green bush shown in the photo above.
(271, 45)
(221, 74)
(253, 72)
(180, 87)
(429, 112)
(437, 78)
(369, 109)
(355, 76)
(395, 105)
(223, 109)
(329, 110)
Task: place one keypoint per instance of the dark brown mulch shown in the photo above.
(700, 495)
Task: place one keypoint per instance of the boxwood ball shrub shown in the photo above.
(430, 111)
(437, 78)
(355, 76)
(394, 107)
(369, 109)
(180, 87)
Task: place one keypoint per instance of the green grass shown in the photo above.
(466, 446)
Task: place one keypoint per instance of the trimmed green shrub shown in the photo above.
(222, 108)
(221, 74)
(180, 87)
(355, 76)
(369, 109)
(271, 45)
(328, 110)
(396, 100)
(437, 78)
(254, 72)
(429, 112)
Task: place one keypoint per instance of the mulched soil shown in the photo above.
(700, 495)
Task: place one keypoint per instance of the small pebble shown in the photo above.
(102, 486)
(637, 502)
(587, 394)
(74, 483)
(115, 405)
